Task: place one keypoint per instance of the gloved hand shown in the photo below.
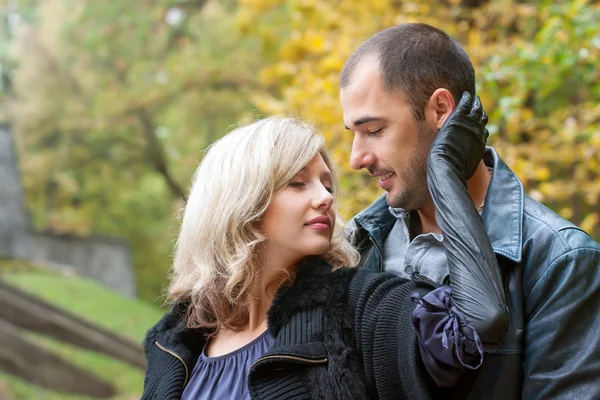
(477, 288)
(462, 138)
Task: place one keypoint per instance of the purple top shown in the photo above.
(225, 377)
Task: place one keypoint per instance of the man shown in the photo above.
(397, 89)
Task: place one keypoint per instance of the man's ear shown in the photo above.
(439, 107)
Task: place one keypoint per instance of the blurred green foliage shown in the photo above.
(112, 101)
(537, 73)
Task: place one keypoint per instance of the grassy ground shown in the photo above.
(95, 303)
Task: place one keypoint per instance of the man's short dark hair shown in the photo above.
(416, 59)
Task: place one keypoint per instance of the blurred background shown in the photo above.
(106, 107)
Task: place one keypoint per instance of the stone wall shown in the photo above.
(106, 260)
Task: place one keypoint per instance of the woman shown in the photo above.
(262, 307)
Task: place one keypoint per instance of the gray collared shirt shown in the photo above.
(424, 255)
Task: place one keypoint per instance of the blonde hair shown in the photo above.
(216, 266)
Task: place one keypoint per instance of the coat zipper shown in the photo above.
(293, 358)
(378, 252)
(176, 356)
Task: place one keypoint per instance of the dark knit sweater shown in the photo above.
(345, 334)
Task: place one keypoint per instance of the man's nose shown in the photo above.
(360, 157)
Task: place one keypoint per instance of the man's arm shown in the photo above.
(561, 356)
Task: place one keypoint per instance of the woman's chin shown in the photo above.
(321, 250)
(315, 248)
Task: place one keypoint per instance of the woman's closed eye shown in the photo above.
(300, 184)
(296, 184)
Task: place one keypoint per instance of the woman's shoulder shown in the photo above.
(172, 320)
(171, 331)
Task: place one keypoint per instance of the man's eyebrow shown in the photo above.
(364, 120)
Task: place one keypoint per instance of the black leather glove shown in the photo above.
(477, 289)
(462, 138)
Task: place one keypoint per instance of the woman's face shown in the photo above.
(299, 221)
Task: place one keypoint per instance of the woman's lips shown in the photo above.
(320, 227)
(320, 223)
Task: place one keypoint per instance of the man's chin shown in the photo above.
(394, 200)
(400, 200)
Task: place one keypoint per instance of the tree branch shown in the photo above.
(156, 153)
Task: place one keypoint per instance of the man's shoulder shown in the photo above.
(555, 233)
(543, 235)
(550, 241)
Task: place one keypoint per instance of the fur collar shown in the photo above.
(315, 285)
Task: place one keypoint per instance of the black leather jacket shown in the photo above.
(551, 274)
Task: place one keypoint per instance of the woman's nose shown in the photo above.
(324, 198)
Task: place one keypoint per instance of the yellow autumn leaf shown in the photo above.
(590, 222)
(566, 212)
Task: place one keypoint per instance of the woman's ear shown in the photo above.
(439, 107)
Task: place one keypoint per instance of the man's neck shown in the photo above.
(477, 187)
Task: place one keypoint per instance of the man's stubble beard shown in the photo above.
(414, 195)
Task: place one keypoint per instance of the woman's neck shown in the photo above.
(259, 303)
(258, 308)
(276, 272)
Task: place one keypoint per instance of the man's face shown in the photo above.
(388, 141)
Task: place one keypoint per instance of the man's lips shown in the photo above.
(322, 222)
(383, 177)
(385, 180)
